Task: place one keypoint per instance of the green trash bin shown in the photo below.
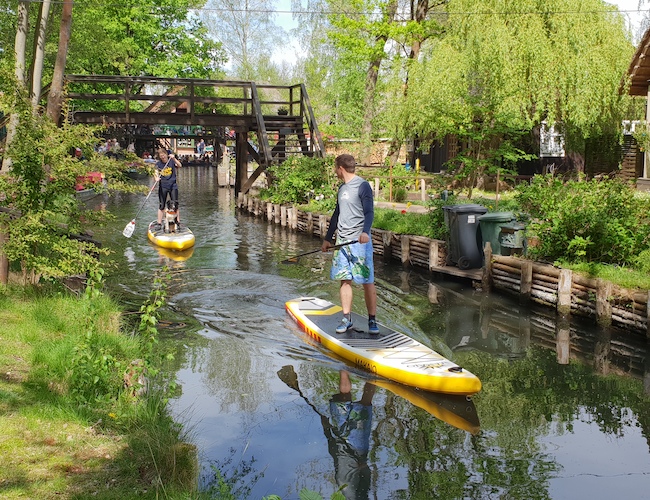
(490, 226)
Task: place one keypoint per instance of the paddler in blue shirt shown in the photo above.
(166, 168)
(352, 220)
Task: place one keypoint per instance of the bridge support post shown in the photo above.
(241, 162)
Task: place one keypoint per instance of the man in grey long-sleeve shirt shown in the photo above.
(352, 220)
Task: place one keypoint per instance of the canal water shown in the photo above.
(562, 413)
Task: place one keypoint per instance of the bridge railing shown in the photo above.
(158, 100)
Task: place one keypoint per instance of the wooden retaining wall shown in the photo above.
(561, 289)
(571, 293)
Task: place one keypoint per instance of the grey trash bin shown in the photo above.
(490, 226)
(464, 246)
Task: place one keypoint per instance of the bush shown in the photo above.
(300, 179)
(586, 221)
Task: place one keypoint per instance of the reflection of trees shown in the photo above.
(232, 376)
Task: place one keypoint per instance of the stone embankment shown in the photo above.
(567, 292)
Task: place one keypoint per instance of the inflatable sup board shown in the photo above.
(389, 354)
(181, 240)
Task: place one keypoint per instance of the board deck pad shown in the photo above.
(390, 354)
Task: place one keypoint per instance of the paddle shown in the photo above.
(295, 258)
(130, 227)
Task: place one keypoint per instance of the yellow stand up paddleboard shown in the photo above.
(389, 354)
(181, 240)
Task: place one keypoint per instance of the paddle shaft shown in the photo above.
(145, 200)
(333, 247)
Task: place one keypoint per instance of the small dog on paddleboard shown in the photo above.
(170, 222)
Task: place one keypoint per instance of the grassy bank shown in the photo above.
(74, 422)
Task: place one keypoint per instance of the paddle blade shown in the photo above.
(290, 260)
(128, 230)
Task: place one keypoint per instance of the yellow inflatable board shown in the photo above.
(389, 354)
(182, 240)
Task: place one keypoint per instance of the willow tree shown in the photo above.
(503, 68)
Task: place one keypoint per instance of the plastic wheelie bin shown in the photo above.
(464, 245)
(490, 226)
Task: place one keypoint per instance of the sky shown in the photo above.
(630, 10)
(290, 52)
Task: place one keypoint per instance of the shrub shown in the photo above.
(586, 221)
(300, 179)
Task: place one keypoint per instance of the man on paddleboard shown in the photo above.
(166, 168)
(352, 220)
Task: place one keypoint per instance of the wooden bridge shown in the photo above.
(280, 117)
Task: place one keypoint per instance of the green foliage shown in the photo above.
(586, 221)
(301, 179)
(491, 77)
(403, 222)
(39, 192)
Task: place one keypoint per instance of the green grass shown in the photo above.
(622, 276)
(53, 445)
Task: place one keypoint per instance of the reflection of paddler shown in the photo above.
(347, 433)
(455, 410)
(176, 255)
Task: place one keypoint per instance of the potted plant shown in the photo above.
(283, 111)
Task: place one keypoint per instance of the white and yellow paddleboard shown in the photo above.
(182, 240)
(389, 354)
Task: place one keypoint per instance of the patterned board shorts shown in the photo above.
(353, 262)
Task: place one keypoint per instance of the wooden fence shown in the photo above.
(567, 292)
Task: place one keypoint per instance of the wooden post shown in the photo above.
(283, 216)
(240, 200)
(310, 223)
(386, 239)
(603, 306)
(276, 213)
(269, 211)
(433, 255)
(486, 279)
(647, 315)
(526, 280)
(564, 292)
(250, 200)
(4, 263)
(406, 248)
(322, 225)
(293, 219)
(423, 190)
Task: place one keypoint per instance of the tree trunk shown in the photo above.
(371, 84)
(39, 53)
(19, 50)
(55, 98)
(418, 14)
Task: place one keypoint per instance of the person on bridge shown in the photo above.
(166, 169)
(352, 220)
